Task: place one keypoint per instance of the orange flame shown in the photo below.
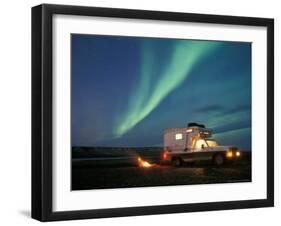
(143, 163)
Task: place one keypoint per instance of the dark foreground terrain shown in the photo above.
(90, 170)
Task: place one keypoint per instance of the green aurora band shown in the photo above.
(148, 95)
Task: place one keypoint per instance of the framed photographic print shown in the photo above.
(145, 112)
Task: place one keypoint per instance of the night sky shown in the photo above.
(126, 90)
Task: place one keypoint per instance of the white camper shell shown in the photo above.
(195, 143)
(177, 139)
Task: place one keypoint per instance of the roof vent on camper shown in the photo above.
(195, 124)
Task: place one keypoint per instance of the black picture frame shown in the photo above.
(42, 111)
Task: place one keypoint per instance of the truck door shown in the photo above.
(201, 150)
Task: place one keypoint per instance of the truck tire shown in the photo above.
(218, 159)
(176, 162)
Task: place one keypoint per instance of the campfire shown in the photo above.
(143, 163)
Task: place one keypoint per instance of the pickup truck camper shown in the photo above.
(195, 143)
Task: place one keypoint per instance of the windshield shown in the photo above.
(200, 144)
(212, 143)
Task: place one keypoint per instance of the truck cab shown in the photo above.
(195, 143)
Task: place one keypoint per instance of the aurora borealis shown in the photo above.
(126, 90)
(145, 98)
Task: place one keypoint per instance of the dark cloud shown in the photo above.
(221, 110)
(237, 109)
(233, 126)
(210, 109)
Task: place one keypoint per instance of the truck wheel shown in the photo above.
(176, 162)
(218, 160)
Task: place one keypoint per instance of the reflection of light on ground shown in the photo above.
(199, 171)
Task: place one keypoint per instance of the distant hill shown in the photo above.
(103, 152)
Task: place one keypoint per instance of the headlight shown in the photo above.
(238, 153)
(229, 154)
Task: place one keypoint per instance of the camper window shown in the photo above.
(200, 144)
(178, 136)
(212, 143)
